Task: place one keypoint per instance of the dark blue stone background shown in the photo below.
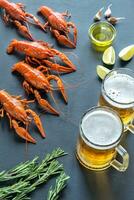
(83, 93)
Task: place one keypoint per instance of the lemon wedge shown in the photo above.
(102, 71)
(127, 53)
(109, 56)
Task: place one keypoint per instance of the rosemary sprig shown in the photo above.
(21, 170)
(43, 167)
(13, 189)
(30, 167)
(61, 183)
(30, 175)
(54, 169)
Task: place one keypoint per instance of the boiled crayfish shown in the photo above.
(41, 53)
(18, 112)
(15, 14)
(59, 27)
(36, 80)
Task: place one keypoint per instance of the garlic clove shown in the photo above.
(108, 12)
(98, 15)
(109, 56)
(127, 53)
(114, 20)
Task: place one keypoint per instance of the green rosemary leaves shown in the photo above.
(27, 176)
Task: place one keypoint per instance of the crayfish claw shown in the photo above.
(70, 24)
(56, 67)
(22, 132)
(63, 40)
(44, 104)
(23, 30)
(64, 58)
(60, 86)
(36, 21)
(37, 122)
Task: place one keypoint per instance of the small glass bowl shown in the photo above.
(102, 35)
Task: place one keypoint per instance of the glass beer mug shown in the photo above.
(98, 145)
(117, 92)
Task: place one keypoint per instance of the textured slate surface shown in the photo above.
(83, 92)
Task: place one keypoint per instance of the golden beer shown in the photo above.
(126, 114)
(98, 143)
(118, 93)
(98, 159)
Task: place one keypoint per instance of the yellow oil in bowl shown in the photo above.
(102, 35)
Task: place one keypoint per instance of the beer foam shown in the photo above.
(101, 128)
(120, 88)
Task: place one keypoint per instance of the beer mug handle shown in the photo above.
(130, 127)
(118, 165)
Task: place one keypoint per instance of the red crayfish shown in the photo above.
(41, 53)
(18, 112)
(35, 80)
(15, 13)
(59, 27)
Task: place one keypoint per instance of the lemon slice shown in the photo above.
(102, 71)
(109, 56)
(127, 53)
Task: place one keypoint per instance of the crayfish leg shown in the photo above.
(44, 104)
(1, 112)
(22, 132)
(37, 122)
(33, 61)
(10, 119)
(43, 69)
(27, 87)
(6, 18)
(21, 5)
